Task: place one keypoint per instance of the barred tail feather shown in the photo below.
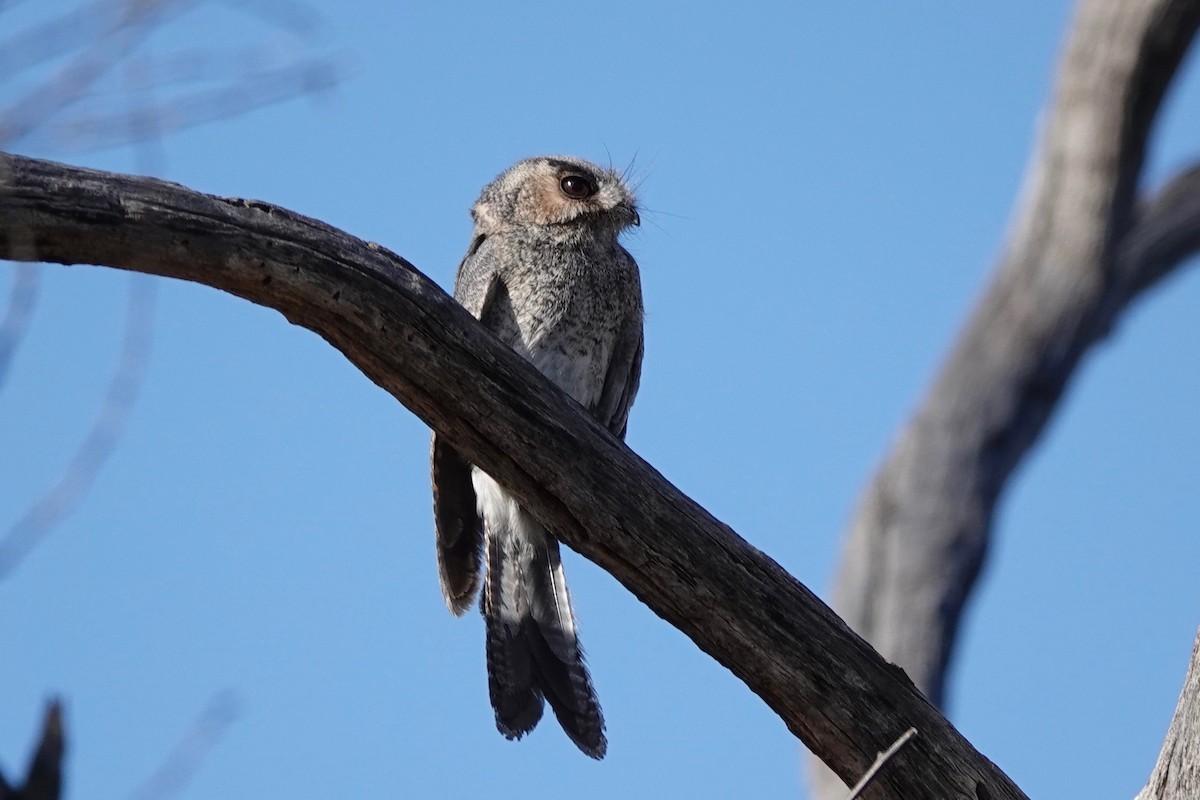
(532, 648)
(558, 657)
(512, 686)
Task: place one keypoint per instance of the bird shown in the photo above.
(545, 273)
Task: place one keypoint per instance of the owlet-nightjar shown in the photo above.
(546, 274)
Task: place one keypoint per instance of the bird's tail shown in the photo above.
(532, 648)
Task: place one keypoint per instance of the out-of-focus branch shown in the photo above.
(255, 90)
(33, 110)
(22, 297)
(176, 771)
(298, 18)
(75, 28)
(73, 106)
(1079, 253)
(77, 478)
(415, 341)
(43, 778)
(1165, 233)
(153, 95)
(1176, 775)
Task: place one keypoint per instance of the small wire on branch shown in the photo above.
(880, 760)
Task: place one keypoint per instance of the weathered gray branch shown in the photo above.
(1166, 232)
(1079, 254)
(1176, 776)
(829, 687)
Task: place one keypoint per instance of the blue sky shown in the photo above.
(826, 185)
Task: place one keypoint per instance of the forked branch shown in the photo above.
(1081, 251)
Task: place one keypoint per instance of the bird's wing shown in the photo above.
(459, 530)
(476, 276)
(456, 517)
(622, 379)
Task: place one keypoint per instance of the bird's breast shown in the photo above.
(568, 313)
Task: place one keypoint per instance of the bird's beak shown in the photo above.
(631, 210)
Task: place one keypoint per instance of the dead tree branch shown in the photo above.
(1176, 776)
(43, 778)
(829, 687)
(1080, 253)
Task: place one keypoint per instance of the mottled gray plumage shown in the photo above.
(545, 274)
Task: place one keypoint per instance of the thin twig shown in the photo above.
(21, 300)
(106, 33)
(880, 760)
(255, 91)
(297, 18)
(102, 34)
(70, 30)
(180, 765)
(65, 496)
(33, 111)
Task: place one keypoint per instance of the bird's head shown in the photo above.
(559, 194)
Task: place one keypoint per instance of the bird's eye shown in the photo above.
(577, 187)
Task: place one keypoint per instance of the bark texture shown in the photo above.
(829, 687)
(1176, 776)
(1081, 250)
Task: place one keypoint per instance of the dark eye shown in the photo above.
(577, 187)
